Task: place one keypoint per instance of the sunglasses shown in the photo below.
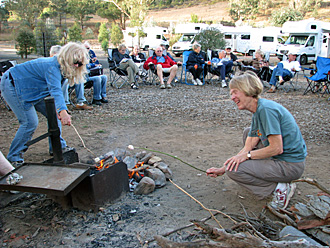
(79, 63)
(159, 50)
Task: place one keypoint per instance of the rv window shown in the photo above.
(187, 37)
(268, 39)
(296, 40)
(324, 39)
(158, 36)
(228, 36)
(163, 38)
(197, 28)
(313, 26)
(245, 36)
(311, 41)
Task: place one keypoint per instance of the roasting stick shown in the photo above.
(82, 141)
(208, 209)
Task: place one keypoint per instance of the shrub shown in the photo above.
(280, 17)
(116, 35)
(25, 42)
(89, 34)
(210, 38)
(75, 33)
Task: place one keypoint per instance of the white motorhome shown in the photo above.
(188, 31)
(307, 38)
(151, 38)
(246, 39)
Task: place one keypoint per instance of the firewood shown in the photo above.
(282, 216)
(313, 182)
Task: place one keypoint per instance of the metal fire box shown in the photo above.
(103, 187)
(72, 185)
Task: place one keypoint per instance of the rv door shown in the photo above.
(311, 48)
(325, 48)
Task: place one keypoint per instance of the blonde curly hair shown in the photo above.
(68, 56)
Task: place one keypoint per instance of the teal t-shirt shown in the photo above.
(272, 118)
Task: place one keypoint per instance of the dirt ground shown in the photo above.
(200, 125)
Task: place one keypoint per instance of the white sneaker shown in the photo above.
(199, 81)
(194, 81)
(223, 84)
(281, 198)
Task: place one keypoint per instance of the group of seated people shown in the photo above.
(99, 81)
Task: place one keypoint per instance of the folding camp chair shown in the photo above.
(319, 82)
(186, 71)
(212, 72)
(152, 73)
(88, 92)
(118, 77)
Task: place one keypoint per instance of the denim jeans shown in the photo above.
(279, 71)
(100, 86)
(79, 88)
(28, 120)
(224, 68)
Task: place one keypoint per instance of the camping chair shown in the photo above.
(118, 77)
(212, 73)
(185, 56)
(319, 82)
(88, 92)
(4, 66)
(152, 73)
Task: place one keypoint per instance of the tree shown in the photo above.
(46, 37)
(28, 10)
(210, 38)
(59, 8)
(81, 9)
(109, 11)
(280, 17)
(243, 9)
(4, 15)
(104, 36)
(25, 42)
(116, 35)
(75, 33)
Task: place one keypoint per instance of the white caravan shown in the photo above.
(152, 37)
(245, 39)
(307, 38)
(188, 31)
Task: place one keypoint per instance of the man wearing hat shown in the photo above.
(229, 54)
(284, 68)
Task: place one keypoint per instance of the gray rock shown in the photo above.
(145, 186)
(157, 175)
(165, 169)
(140, 155)
(154, 159)
(146, 158)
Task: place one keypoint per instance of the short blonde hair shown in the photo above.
(70, 54)
(54, 50)
(195, 46)
(121, 46)
(248, 83)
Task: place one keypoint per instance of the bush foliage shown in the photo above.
(210, 38)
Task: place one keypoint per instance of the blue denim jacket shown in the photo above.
(36, 79)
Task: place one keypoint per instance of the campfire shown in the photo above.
(145, 170)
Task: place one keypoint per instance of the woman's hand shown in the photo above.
(233, 162)
(65, 118)
(214, 172)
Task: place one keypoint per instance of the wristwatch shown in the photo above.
(249, 155)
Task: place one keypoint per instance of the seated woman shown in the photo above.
(258, 64)
(139, 59)
(195, 64)
(126, 63)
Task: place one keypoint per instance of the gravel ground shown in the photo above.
(200, 125)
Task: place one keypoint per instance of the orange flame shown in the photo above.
(131, 173)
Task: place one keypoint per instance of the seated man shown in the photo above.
(125, 63)
(230, 55)
(163, 46)
(222, 66)
(283, 69)
(163, 64)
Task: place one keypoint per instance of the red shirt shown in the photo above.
(167, 64)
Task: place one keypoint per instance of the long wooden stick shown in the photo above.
(313, 182)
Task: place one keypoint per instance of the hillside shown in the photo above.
(219, 12)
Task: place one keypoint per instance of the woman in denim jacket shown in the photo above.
(25, 86)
